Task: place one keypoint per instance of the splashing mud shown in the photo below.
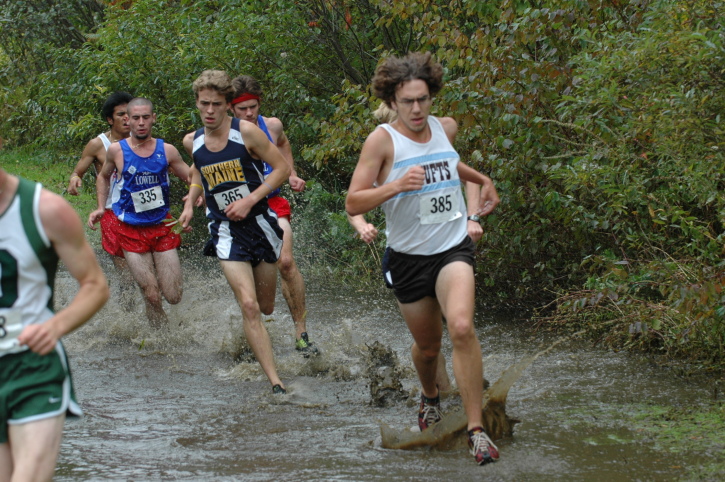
(384, 373)
(450, 431)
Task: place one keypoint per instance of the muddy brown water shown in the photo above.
(177, 406)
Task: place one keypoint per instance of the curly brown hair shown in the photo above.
(215, 80)
(394, 71)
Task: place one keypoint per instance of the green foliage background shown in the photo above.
(599, 121)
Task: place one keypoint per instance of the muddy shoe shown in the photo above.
(305, 346)
(277, 389)
(429, 412)
(481, 446)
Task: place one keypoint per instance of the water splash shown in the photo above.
(384, 375)
(451, 429)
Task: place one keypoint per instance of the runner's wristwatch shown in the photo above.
(474, 217)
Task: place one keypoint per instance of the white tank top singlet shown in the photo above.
(113, 187)
(430, 220)
(28, 264)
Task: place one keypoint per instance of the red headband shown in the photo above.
(244, 97)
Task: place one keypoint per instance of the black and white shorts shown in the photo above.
(413, 276)
(254, 239)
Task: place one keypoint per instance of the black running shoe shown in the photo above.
(278, 389)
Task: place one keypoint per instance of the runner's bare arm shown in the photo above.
(189, 144)
(473, 193)
(255, 139)
(103, 183)
(65, 231)
(195, 191)
(488, 198)
(276, 130)
(450, 126)
(376, 153)
(176, 163)
(93, 152)
(189, 147)
(258, 146)
(366, 230)
(296, 183)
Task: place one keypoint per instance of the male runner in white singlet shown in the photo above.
(115, 113)
(37, 228)
(409, 167)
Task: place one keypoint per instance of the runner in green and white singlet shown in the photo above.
(37, 229)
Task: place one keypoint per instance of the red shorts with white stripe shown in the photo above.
(280, 206)
(145, 239)
(109, 233)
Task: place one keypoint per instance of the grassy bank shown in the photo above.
(53, 171)
(673, 309)
(689, 439)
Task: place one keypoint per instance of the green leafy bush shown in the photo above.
(326, 244)
(599, 122)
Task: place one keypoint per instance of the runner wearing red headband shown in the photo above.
(245, 106)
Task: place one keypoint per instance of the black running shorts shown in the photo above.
(413, 277)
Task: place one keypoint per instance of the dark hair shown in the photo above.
(246, 84)
(140, 101)
(394, 71)
(114, 100)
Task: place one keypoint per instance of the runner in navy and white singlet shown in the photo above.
(229, 157)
